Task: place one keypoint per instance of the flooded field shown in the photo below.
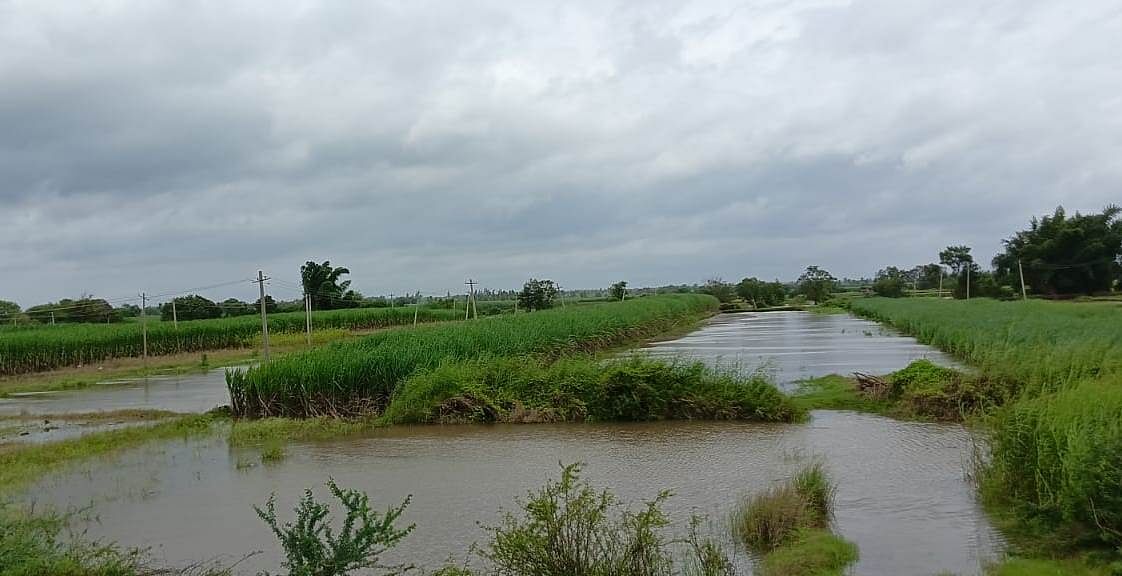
(174, 393)
(902, 496)
(797, 345)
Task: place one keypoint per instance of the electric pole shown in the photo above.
(144, 324)
(264, 317)
(471, 307)
(308, 316)
(1021, 270)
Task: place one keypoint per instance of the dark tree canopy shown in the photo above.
(193, 307)
(817, 284)
(85, 309)
(618, 291)
(761, 294)
(1065, 255)
(8, 310)
(234, 307)
(321, 281)
(537, 295)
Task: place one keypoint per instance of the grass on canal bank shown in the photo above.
(580, 388)
(359, 377)
(1053, 476)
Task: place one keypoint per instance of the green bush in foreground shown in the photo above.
(313, 548)
(525, 389)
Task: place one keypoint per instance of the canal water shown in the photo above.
(903, 494)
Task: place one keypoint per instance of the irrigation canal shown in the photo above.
(903, 495)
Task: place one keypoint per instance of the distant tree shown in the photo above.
(618, 291)
(322, 282)
(537, 295)
(193, 307)
(719, 289)
(1065, 255)
(8, 310)
(270, 305)
(232, 307)
(761, 294)
(890, 282)
(85, 309)
(929, 276)
(964, 269)
(128, 310)
(816, 284)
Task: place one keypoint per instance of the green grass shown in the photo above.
(835, 392)
(1038, 345)
(811, 553)
(528, 389)
(359, 376)
(1044, 567)
(1053, 477)
(40, 348)
(20, 464)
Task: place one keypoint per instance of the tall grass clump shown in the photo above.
(773, 518)
(528, 389)
(1056, 461)
(49, 347)
(787, 527)
(359, 376)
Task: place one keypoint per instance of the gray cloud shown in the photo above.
(166, 145)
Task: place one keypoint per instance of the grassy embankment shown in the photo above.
(1053, 476)
(38, 349)
(530, 367)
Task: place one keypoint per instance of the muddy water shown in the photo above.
(797, 345)
(902, 496)
(175, 393)
(902, 493)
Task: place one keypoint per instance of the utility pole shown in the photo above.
(968, 281)
(308, 316)
(561, 293)
(1021, 270)
(416, 308)
(143, 324)
(471, 300)
(264, 317)
(52, 318)
(940, 282)
(174, 316)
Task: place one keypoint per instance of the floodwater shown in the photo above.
(795, 345)
(790, 346)
(901, 496)
(175, 393)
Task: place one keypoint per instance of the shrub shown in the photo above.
(312, 548)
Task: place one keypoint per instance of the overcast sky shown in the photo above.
(160, 146)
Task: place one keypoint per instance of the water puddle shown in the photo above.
(901, 491)
(197, 392)
(795, 345)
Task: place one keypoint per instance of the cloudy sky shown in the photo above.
(160, 146)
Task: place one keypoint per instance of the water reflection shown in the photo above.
(797, 345)
(902, 497)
